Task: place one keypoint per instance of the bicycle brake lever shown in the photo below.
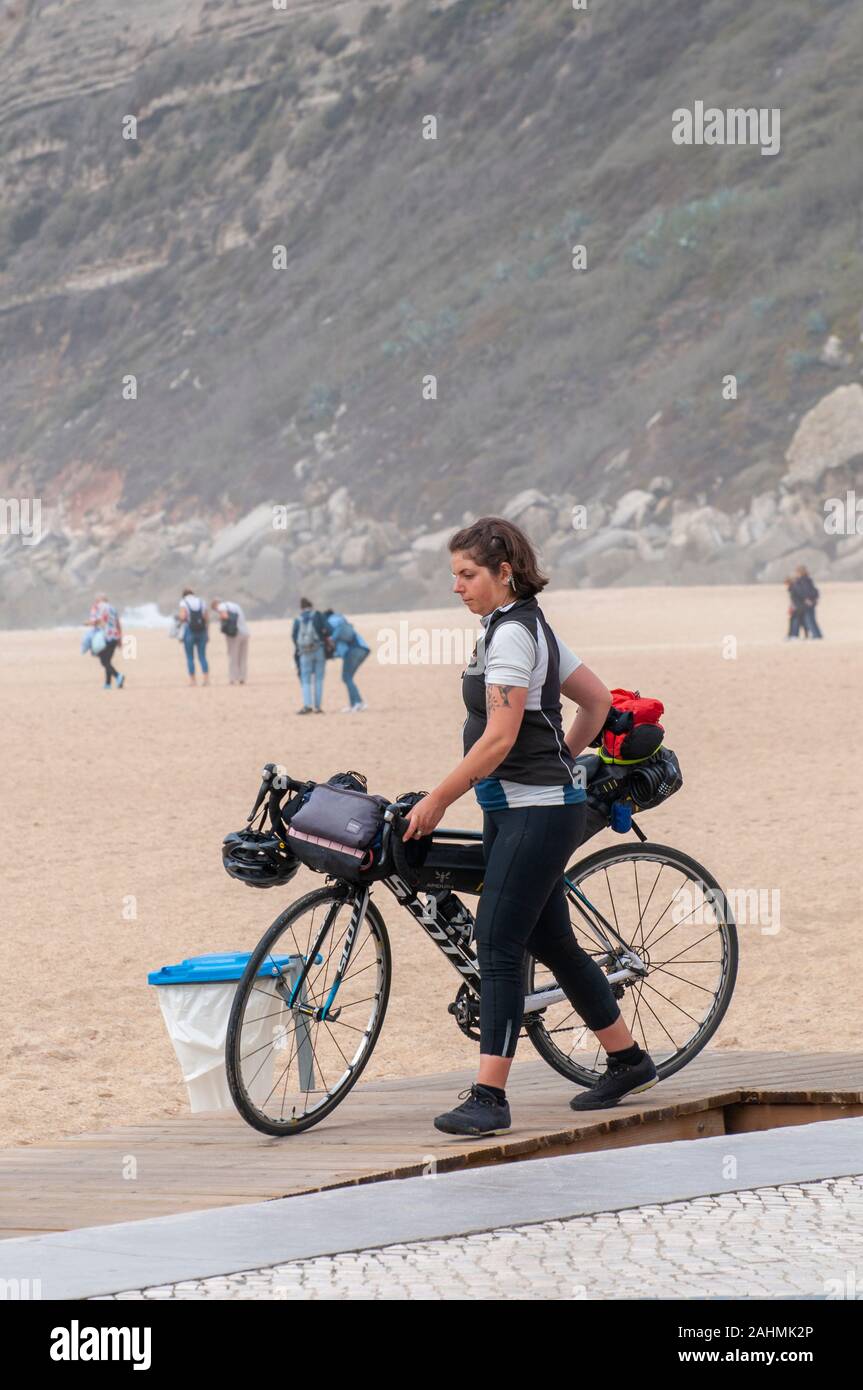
(264, 788)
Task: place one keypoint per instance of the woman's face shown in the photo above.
(479, 589)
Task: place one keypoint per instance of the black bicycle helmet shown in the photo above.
(258, 859)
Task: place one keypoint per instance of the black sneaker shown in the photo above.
(481, 1114)
(620, 1079)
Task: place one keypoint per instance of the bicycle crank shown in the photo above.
(465, 1007)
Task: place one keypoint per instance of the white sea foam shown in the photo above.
(138, 615)
(144, 615)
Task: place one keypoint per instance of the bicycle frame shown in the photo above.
(448, 938)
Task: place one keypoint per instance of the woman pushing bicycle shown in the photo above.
(522, 768)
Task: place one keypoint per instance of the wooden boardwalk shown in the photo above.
(384, 1130)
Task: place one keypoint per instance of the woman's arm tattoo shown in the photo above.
(496, 696)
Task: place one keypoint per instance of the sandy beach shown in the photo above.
(115, 804)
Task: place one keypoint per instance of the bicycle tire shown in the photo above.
(583, 1076)
(245, 1106)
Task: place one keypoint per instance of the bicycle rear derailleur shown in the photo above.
(465, 1007)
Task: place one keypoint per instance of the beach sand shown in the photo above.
(115, 803)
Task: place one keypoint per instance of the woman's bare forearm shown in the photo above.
(585, 726)
(483, 758)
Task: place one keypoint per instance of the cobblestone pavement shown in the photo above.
(798, 1239)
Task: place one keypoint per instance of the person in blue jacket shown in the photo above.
(353, 650)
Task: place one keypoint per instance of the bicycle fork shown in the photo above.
(325, 1012)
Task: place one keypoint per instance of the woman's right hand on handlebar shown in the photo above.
(423, 817)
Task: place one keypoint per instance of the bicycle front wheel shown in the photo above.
(292, 1055)
(672, 912)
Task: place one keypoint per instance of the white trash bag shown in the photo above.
(196, 997)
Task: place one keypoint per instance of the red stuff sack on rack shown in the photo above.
(632, 730)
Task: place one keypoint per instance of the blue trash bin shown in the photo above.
(196, 996)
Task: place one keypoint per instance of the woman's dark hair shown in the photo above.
(490, 540)
(306, 603)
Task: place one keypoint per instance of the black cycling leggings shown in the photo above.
(105, 656)
(522, 907)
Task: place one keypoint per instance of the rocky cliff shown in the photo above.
(219, 321)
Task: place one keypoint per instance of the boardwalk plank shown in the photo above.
(384, 1129)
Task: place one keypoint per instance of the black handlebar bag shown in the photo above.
(339, 831)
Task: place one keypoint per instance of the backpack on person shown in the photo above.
(230, 624)
(308, 635)
(197, 621)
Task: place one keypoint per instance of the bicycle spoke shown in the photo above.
(658, 964)
(690, 947)
(646, 1003)
(636, 1001)
(672, 928)
(692, 983)
(640, 926)
(648, 985)
(613, 908)
(336, 1041)
(659, 919)
(647, 904)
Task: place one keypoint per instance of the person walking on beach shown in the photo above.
(522, 768)
(105, 621)
(195, 618)
(236, 631)
(805, 587)
(795, 610)
(353, 650)
(311, 638)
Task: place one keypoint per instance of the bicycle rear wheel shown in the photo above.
(671, 911)
(290, 1064)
